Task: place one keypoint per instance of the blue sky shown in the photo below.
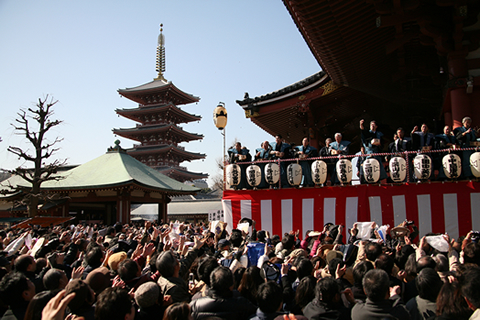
(82, 52)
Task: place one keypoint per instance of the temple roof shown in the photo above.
(298, 87)
(135, 113)
(158, 91)
(381, 61)
(169, 129)
(113, 169)
(181, 174)
(160, 149)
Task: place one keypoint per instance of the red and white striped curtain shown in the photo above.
(452, 207)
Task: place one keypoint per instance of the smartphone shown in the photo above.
(191, 279)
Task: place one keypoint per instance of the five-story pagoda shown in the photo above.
(158, 130)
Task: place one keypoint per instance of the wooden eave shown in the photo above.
(183, 174)
(163, 93)
(134, 113)
(149, 150)
(170, 130)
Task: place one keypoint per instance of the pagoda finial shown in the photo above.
(161, 55)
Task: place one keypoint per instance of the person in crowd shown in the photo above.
(82, 304)
(172, 271)
(114, 304)
(178, 311)
(381, 302)
(451, 304)
(220, 302)
(38, 303)
(149, 301)
(269, 301)
(470, 282)
(250, 282)
(16, 291)
(306, 151)
(55, 279)
(359, 272)
(237, 154)
(328, 303)
(296, 267)
(424, 305)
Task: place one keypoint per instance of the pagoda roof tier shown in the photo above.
(165, 149)
(181, 174)
(136, 113)
(170, 130)
(158, 91)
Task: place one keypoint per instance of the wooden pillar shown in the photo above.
(123, 207)
(460, 100)
(163, 209)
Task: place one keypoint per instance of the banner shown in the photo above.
(452, 207)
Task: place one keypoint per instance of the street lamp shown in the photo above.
(220, 120)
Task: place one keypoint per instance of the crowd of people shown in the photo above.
(184, 271)
(372, 142)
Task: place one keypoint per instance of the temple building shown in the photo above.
(158, 131)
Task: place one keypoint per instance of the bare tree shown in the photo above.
(35, 132)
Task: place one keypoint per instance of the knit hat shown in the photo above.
(115, 259)
(147, 294)
(298, 253)
(332, 254)
(98, 279)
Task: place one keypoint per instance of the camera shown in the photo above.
(410, 222)
(475, 236)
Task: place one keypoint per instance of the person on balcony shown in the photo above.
(372, 140)
(466, 135)
(306, 151)
(423, 139)
(239, 154)
(338, 148)
(446, 140)
(281, 150)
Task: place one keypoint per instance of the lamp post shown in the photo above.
(220, 120)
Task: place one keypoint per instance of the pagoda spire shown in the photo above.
(160, 55)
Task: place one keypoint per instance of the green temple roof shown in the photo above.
(114, 168)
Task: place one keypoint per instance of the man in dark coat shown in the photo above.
(378, 304)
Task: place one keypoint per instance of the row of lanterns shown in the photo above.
(422, 164)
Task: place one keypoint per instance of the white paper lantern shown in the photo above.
(294, 174)
(233, 174)
(422, 165)
(319, 172)
(398, 169)
(371, 170)
(475, 164)
(452, 166)
(272, 173)
(254, 175)
(344, 170)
